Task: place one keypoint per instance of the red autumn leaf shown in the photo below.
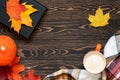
(32, 76)
(14, 9)
(11, 71)
(15, 70)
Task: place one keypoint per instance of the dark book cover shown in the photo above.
(25, 31)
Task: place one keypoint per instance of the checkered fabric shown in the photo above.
(72, 74)
(113, 69)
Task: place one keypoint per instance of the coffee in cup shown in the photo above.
(94, 61)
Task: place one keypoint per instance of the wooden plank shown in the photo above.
(64, 36)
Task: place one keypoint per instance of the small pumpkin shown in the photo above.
(8, 50)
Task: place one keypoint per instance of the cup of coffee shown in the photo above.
(94, 61)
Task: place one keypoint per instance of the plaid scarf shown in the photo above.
(72, 74)
(113, 69)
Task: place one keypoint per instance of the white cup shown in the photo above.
(94, 62)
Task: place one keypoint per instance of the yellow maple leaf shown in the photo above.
(19, 14)
(99, 19)
(16, 24)
(25, 16)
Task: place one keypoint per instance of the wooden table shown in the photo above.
(64, 36)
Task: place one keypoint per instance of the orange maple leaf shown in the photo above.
(19, 14)
(15, 69)
(12, 70)
(32, 76)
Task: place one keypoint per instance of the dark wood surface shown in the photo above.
(64, 36)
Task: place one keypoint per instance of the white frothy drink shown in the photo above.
(94, 62)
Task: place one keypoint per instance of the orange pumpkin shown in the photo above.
(8, 50)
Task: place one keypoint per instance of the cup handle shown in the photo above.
(98, 47)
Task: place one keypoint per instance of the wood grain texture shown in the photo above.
(64, 36)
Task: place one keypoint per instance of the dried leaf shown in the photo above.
(31, 76)
(19, 14)
(14, 9)
(99, 19)
(15, 70)
(11, 71)
(25, 16)
(16, 24)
